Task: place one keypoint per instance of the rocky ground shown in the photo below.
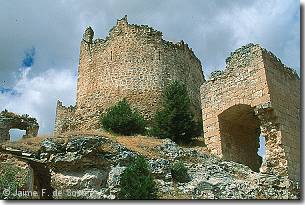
(89, 167)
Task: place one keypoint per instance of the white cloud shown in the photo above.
(274, 24)
(37, 96)
(212, 28)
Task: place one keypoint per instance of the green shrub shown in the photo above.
(179, 172)
(122, 119)
(137, 181)
(12, 178)
(175, 120)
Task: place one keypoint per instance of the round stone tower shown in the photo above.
(133, 62)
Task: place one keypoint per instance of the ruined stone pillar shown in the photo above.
(276, 162)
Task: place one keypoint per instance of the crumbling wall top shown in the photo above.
(281, 67)
(88, 35)
(60, 106)
(244, 56)
(6, 116)
(122, 27)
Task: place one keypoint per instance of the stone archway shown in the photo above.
(239, 131)
(9, 120)
(254, 77)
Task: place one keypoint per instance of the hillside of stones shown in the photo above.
(89, 165)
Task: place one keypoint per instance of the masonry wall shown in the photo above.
(284, 86)
(136, 63)
(10, 120)
(65, 118)
(243, 82)
(132, 62)
(254, 77)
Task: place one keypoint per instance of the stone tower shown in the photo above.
(255, 96)
(88, 35)
(133, 62)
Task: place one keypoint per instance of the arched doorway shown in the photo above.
(240, 132)
(10, 120)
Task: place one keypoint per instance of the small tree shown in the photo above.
(175, 120)
(137, 181)
(122, 119)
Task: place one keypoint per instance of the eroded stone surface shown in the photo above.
(96, 174)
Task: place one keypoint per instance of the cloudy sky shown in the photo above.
(40, 40)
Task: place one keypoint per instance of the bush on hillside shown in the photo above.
(175, 120)
(123, 120)
(137, 182)
(179, 172)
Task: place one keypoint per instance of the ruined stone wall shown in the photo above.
(243, 82)
(253, 79)
(10, 120)
(136, 63)
(284, 86)
(65, 118)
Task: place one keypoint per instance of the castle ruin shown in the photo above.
(256, 95)
(10, 120)
(133, 62)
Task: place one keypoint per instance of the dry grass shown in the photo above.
(28, 144)
(100, 133)
(198, 144)
(143, 145)
(33, 144)
(6, 159)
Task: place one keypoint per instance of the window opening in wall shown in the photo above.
(16, 134)
(262, 147)
(110, 55)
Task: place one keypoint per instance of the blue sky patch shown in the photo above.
(28, 59)
(262, 146)
(10, 91)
